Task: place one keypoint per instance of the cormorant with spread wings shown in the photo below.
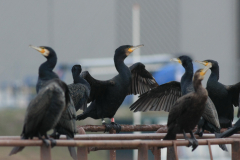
(107, 96)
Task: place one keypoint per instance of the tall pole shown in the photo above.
(51, 23)
(136, 58)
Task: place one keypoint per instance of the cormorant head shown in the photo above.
(199, 74)
(47, 52)
(76, 70)
(210, 63)
(183, 60)
(126, 50)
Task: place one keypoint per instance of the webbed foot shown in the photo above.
(45, 142)
(108, 127)
(116, 126)
(194, 144)
(53, 142)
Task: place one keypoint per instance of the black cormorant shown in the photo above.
(164, 96)
(79, 89)
(107, 96)
(187, 110)
(67, 122)
(44, 111)
(223, 96)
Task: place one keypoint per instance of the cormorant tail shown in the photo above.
(82, 116)
(72, 150)
(17, 148)
(222, 146)
(171, 134)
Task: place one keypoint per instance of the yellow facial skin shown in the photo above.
(42, 50)
(176, 60)
(205, 63)
(131, 49)
(204, 71)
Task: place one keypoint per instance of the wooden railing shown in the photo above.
(143, 142)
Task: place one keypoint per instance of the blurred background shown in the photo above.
(88, 32)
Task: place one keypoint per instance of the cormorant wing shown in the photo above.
(234, 90)
(80, 94)
(159, 98)
(210, 113)
(179, 108)
(51, 95)
(98, 88)
(142, 80)
(68, 120)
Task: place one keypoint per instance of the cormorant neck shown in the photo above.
(197, 84)
(79, 79)
(119, 64)
(214, 73)
(47, 66)
(188, 75)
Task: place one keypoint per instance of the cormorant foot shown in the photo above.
(108, 127)
(194, 145)
(53, 142)
(45, 142)
(190, 142)
(116, 126)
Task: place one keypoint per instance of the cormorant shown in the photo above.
(67, 123)
(223, 96)
(80, 89)
(187, 110)
(44, 111)
(107, 96)
(164, 96)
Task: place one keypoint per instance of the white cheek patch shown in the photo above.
(46, 53)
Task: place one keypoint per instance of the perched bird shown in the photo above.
(223, 96)
(67, 123)
(44, 111)
(187, 110)
(164, 96)
(107, 96)
(67, 126)
(79, 89)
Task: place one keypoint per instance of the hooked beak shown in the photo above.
(37, 48)
(134, 48)
(176, 60)
(204, 70)
(204, 63)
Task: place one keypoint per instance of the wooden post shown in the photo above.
(143, 152)
(236, 150)
(157, 153)
(210, 150)
(45, 152)
(82, 153)
(170, 153)
(112, 153)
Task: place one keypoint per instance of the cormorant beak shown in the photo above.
(131, 49)
(43, 51)
(176, 60)
(209, 64)
(204, 70)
